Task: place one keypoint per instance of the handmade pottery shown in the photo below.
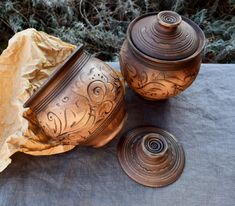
(151, 156)
(81, 103)
(161, 56)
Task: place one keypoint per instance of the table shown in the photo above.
(203, 120)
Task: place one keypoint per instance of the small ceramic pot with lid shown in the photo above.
(82, 103)
(161, 55)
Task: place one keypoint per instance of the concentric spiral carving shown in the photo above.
(154, 144)
(169, 18)
(96, 91)
(164, 36)
(151, 156)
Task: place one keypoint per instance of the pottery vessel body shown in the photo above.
(82, 103)
(150, 68)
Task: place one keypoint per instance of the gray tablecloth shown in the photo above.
(202, 118)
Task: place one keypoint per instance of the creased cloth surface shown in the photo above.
(203, 120)
(27, 62)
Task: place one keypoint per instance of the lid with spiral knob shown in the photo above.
(151, 156)
(165, 36)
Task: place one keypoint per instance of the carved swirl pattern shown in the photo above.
(153, 83)
(84, 105)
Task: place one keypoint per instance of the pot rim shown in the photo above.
(53, 76)
(201, 37)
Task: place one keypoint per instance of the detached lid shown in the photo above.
(165, 36)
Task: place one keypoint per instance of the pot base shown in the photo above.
(151, 156)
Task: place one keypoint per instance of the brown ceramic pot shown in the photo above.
(161, 55)
(81, 103)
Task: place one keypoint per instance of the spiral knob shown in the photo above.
(154, 145)
(169, 19)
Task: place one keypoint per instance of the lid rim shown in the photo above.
(197, 29)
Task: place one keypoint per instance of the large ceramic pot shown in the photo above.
(81, 103)
(161, 55)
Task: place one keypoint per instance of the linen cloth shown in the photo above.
(203, 120)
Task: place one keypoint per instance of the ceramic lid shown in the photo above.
(165, 36)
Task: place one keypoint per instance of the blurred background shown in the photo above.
(101, 24)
